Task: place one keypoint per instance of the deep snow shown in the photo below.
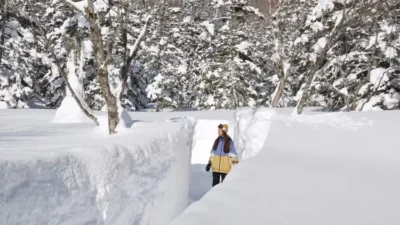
(71, 174)
(338, 168)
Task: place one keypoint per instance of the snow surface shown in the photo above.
(338, 168)
(68, 174)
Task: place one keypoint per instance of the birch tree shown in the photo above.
(103, 40)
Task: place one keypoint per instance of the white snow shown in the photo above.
(379, 77)
(187, 19)
(391, 52)
(391, 101)
(243, 46)
(322, 6)
(371, 104)
(209, 26)
(310, 173)
(252, 131)
(320, 45)
(316, 168)
(175, 9)
(69, 112)
(81, 5)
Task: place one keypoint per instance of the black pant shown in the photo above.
(217, 177)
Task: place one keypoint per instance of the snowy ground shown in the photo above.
(339, 168)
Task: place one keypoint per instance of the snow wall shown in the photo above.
(136, 178)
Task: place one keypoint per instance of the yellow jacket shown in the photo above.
(221, 162)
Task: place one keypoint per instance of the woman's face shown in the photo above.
(220, 132)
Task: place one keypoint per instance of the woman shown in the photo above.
(223, 155)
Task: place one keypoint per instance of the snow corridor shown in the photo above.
(71, 174)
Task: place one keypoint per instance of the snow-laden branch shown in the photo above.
(132, 54)
(135, 48)
(78, 6)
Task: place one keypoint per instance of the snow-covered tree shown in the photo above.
(210, 60)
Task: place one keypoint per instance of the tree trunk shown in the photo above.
(3, 28)
(103, 55)
(111, 101)
(279, 92)
(304, 97)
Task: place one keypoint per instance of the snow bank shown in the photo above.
(312, 174)
(253, 126)
(65, 174)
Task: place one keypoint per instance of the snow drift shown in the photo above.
(65, 174)
(253, 127)
(328, 169)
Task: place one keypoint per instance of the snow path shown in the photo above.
(204, 137)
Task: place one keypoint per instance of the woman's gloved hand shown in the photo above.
(235, 161)
(208, 167)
